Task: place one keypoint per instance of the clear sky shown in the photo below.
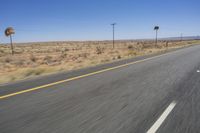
(54, 20)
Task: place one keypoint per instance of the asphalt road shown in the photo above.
(159, 94)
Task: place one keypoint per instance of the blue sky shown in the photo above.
(56, 20)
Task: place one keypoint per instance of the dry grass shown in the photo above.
(44, 58)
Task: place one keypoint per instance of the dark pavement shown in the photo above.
(124, 100)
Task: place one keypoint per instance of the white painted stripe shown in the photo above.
(198, 71)
(162, 118)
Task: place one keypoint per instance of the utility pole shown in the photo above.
(198, 37)
(113, 25)
(11, 43)
(181, 37)
(156, 37)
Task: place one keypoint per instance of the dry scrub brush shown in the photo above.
(41, 58)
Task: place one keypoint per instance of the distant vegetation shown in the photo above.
(35, 59)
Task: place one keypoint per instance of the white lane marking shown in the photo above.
(198, 71)
(162, 118)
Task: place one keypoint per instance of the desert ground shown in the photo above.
(35, 59)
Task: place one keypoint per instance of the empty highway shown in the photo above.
(159, 93)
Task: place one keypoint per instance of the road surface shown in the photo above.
(154, 94)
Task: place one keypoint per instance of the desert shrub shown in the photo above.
(119, 57)
(63, 55)
(105, 60)
(130, 46)
(18, 50)
(167, 44)
(13, 78)
(190, 42)
(2, 51)
(32, 72)
(33, 58)
(150, 51)
(7, 59)
(65, 49)
(48, 59)
(84, 55)
(99, 50)
(131, 53)
(19, 62)
(147, 45)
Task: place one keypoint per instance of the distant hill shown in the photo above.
(183, 38)
(118, 40)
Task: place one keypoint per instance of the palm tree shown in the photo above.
(8, 32)
(156, 28)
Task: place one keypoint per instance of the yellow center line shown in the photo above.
(75, 78)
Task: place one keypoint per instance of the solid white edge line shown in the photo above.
(162, 118)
